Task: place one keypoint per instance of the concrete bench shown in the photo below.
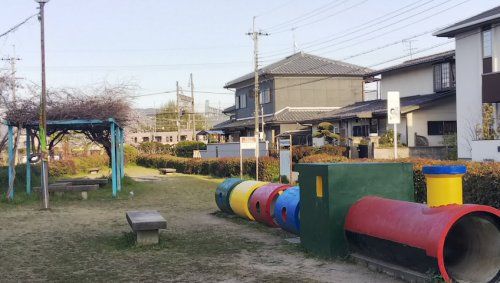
(165, 171)
(68, 187)
(146, 225)
(94, 170)
(84, 181)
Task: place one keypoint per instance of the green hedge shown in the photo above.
(186, 148)
(481, 183)
(220, 167)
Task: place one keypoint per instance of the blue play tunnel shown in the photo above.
(286, 210)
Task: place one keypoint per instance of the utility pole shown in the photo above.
(178, 122)
(192, 106)
(255, 36)
(12, 61)
(43, 115)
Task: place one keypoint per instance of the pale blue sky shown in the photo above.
(153, 43)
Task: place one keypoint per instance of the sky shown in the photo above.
(151, 44)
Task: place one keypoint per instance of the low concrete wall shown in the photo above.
(486, 150)
(432, 152)
(232, 149)
(388, 153)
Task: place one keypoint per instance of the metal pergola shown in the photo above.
(117, 146)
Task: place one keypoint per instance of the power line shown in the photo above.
(362, 27)
(392, 24)
(304, 16)
(174, 91)
(14, 28)
(384, 27)
(272, 10)
(324, 18)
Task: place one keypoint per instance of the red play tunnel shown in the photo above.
(262, 201)
(461, 242)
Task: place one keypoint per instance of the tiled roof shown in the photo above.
(479, 20)
(306, 65)
(286, 115)
(367, 109)
(229, 109)
(434, 58)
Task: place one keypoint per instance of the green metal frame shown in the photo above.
(117, 136)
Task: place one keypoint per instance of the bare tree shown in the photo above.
(97, 103)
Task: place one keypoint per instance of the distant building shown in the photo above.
(170, 138)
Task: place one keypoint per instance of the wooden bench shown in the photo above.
(165, 171)
(146, 225)
(85, 181)
(68, 187)
(94, 170)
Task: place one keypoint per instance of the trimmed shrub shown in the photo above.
(323, 158)
(155, 148)
(299, 152)
(333, 149)
(220, 167)
(131, 154)
(186, 148)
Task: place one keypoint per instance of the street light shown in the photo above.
(43, 115)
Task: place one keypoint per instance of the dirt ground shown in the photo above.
(91, 241)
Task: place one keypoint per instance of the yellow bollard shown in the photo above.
(444, 184)
(240, 196)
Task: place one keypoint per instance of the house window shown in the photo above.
(135, 139)
(237, 102)
(487, 43)
(373, 126)
(158, 139)
(360, 131)
(444, 76)
(171, 139)
(145, 139)
(439, 128)
(243, 101)
(265, 95)
(183, 138)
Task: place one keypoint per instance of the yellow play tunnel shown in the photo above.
(240, 196)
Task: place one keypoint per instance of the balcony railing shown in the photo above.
(491, 87)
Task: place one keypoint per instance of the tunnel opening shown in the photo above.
(472, 248)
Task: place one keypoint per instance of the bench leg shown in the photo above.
(147, 237)
(84, 195)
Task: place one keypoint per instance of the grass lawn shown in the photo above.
(91, 241)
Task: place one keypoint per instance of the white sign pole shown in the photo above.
(394, 116)
(247, 143)
(395, 141)
(241, 162)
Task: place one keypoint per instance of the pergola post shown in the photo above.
(118, 159)
(28, 164)
(122, 140)
(11, 161)
(113, 158)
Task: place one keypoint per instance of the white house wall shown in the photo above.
(408, 82)
(469, 82)
(496, 48)
(417, 121)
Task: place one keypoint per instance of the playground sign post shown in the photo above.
(246, 143)
(394, 116)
